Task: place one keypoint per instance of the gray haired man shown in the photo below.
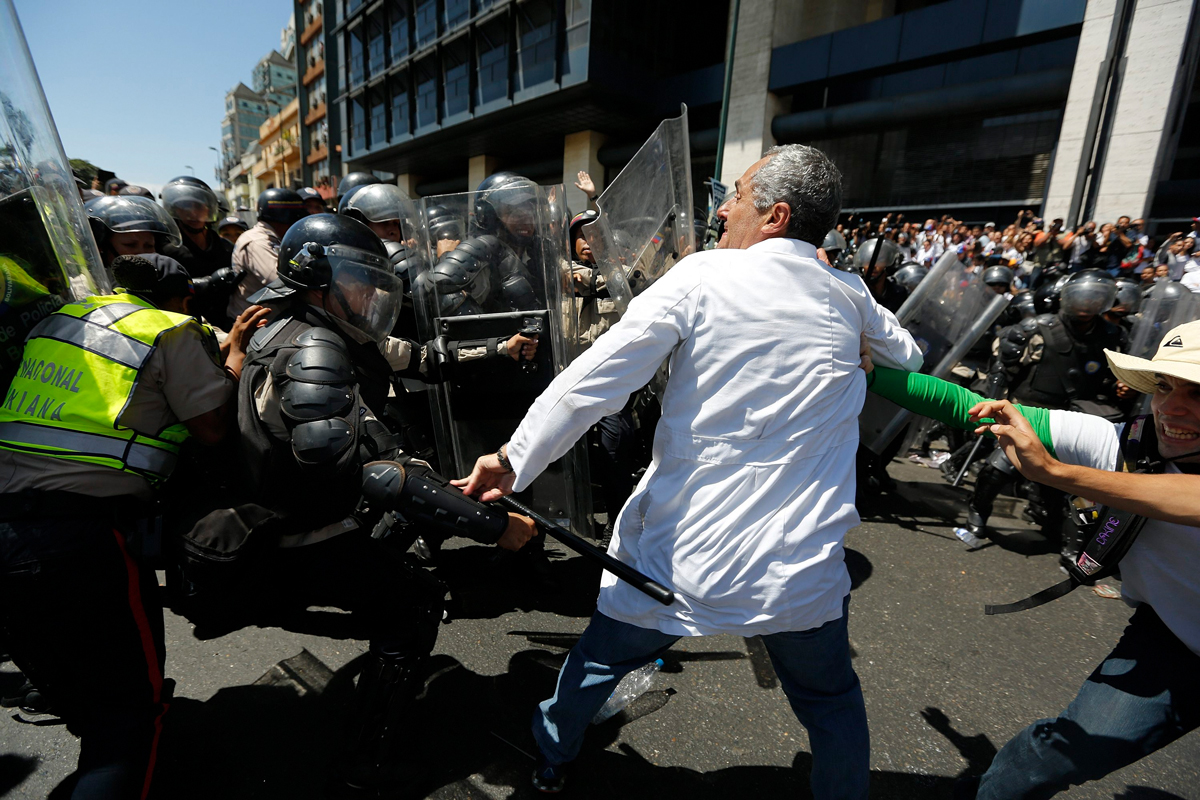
(751, 488)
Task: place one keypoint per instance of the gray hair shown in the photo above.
(810, 184)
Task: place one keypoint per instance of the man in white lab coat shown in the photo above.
(751, 489)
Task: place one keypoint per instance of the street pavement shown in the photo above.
(257, 712)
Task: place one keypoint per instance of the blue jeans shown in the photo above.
(1142, 697)
(813, 666)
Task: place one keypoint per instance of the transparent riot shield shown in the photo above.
(1167, 305)
(946, 314)
(508, 273)
(47, 254)
(645, 222)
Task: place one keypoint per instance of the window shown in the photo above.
(427, 85)
(536, 40)
(458, 78)
(379, 115)
(400, 108)
(426, 22)
(352, 6)
(355, 66)
(375, 50)
(358, 126)
(492, 40)
(399, 33)
(457, 12)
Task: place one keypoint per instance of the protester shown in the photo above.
(718, 543)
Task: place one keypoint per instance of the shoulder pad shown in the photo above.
(319, 337)
(324, 365)
(1027, 326)
(321, 442)
(1048, 320)
(305, 401)
(263, 336)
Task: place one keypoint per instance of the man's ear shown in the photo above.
(776, 223)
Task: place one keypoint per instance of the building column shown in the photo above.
(479, 168)
(751, 105)
(1152, 89)
(408, 184)
(581, 151)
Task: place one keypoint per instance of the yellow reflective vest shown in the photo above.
(77, 374)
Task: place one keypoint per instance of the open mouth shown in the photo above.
(1179, 434)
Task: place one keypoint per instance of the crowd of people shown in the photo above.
(249, 408)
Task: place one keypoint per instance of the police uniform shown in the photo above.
(89, 427)
(255, 255)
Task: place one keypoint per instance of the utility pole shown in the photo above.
(729, 51)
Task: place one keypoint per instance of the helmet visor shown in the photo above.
(130, 214)
(192, 204)
(1087, 298)
(367, 290)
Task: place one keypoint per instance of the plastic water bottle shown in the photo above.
(969, 539)
(631, 687)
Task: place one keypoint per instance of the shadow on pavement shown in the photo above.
(470, 732)
(14, 769)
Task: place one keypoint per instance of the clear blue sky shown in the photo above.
(138, 86)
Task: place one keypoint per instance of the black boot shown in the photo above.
(979, 507)
(381, 753)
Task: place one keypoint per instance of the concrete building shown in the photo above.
(1076, 108)
(322, 163)
(274, 77)
(245, 111)
(278, 165)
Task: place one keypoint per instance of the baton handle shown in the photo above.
(967, 464)
(625, 572)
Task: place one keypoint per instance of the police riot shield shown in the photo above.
(946, 314)
(47, 254)
(645, 223)
(506, 273)
(1167, 305)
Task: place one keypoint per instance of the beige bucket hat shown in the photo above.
(1178, 356)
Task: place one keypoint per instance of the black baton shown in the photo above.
(623, 571)
(967, 464)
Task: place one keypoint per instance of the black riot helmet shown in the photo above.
(834, 245)
(381, 202)
(131, 214)
(999, 276)
(280, 205)
(1023, 304)
(875, 252)
(1045, 298)
(443, 224)
(343, 259)
(910, 275)
(354, 180)
(190, 202)
(1087, 294)
(1129, 298)
(498, 195)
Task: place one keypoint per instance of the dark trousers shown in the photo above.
(1142, 697)
(84, 621)
(614, 461)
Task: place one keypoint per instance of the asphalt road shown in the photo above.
(257, 712)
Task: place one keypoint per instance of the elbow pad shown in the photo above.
(422, 496)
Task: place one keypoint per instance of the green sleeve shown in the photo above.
(944, 401)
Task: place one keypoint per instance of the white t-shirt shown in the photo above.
(1191, 280)
(1161, 566)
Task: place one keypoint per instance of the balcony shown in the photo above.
(314, 72)
(312, 30)
(318, 113)
(317, 154)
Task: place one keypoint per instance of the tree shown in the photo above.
(84, 169)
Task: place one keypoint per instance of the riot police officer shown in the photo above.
(999, 279)
(326, 468)
(383, 208)
(257, 250)
(206, 256)
(487, 272)
(445, 229)
(1052, 361)
(130, 226)
(876, 260)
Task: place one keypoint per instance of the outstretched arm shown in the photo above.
(1172, 498)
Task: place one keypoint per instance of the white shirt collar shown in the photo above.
(793, 247)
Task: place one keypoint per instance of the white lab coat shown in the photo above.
(750, 492)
